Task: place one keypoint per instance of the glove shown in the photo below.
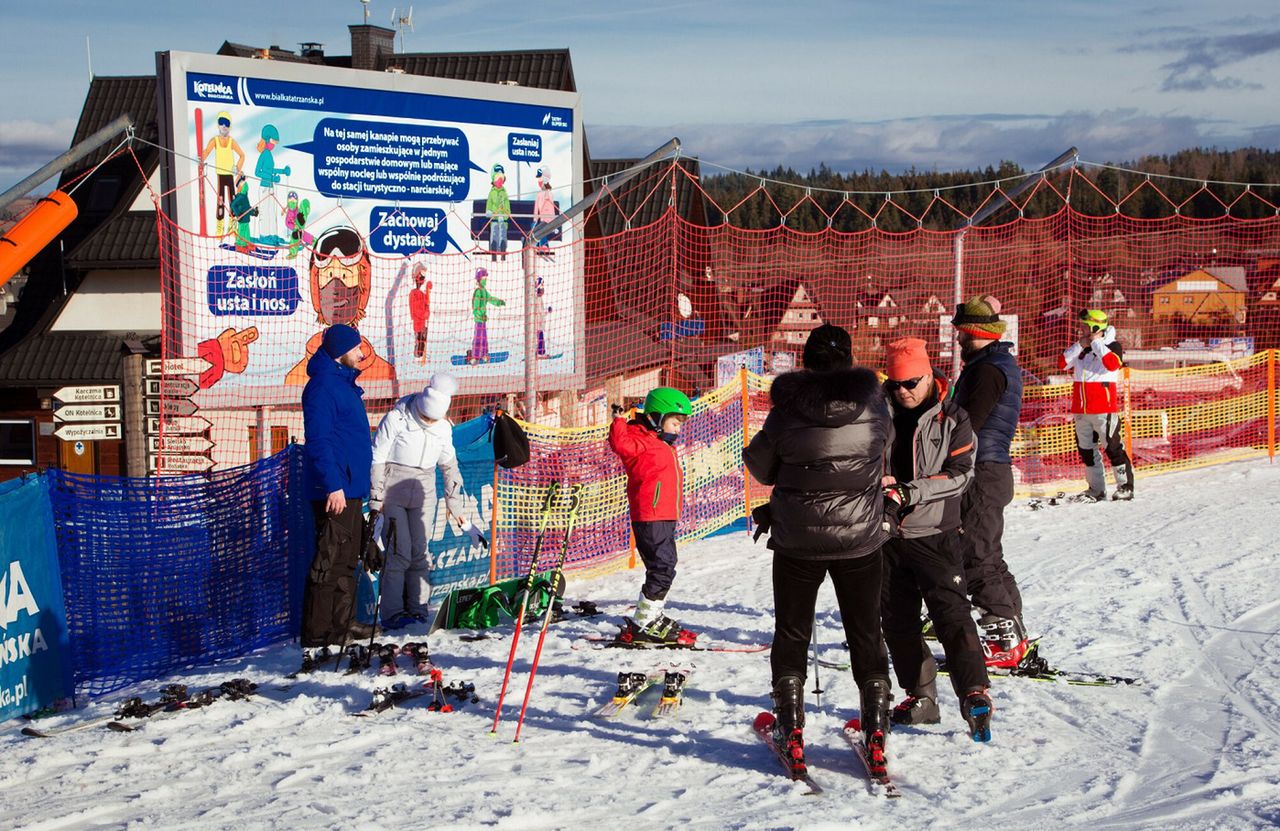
(762, 516)
(375, 508)
(617, 410)
(897, 498)
(477, 538)
(375, 557)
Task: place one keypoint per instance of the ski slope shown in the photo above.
(1178, 587)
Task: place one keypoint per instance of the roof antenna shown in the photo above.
(402, 22)
(89, 54)
(365, 3)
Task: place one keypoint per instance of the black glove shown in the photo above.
(898, 498)
(617, 410)
(375, 559)
(762, 516)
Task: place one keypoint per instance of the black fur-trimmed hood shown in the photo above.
(828, 398)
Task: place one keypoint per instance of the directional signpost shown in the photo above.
(171, 443)
(88, 395)
(176, 436)
(183, 425)
(87, 412)
(171, 463)
(88, 432)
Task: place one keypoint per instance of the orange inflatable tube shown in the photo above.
(34, 231)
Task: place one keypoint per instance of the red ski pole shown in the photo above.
(575, 499)
(543, 519)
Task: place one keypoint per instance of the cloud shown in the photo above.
(1201, 58)
(26, 146)
(939, 142)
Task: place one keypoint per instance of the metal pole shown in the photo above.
(544, 229)
(1030, 179)
(75, 154)
(528, 264)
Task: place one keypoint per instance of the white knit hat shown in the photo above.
(433, 401)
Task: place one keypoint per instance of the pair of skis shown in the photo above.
(173, 700)
(791, 757)
(575, 502)
(631, 685)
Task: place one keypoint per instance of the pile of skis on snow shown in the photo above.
(173, 699)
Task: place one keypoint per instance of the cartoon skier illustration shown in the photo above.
(242, 210)
(295, 222)
(540, 310)
(228, 162)
(498, 208)
(544, 210)
(481, 300)
(268, 177)
(341, 278)
(420, 311)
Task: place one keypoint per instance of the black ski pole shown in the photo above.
(377, 603)
(817, 681)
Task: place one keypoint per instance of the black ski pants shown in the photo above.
(795, 594)
(930, 569)
(328, 602)
(656, 543)
(990, 584)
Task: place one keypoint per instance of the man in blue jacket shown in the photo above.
(338, 456)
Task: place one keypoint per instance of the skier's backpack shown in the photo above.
(510, 444)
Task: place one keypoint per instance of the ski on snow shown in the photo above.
(797, 769)
(674, 684)
(876, 766)
(611, 642)
(630, 686)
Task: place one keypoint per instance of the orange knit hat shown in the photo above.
(907, 358)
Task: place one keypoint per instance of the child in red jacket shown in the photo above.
(654, 493)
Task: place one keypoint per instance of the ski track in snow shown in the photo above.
(1177, 587)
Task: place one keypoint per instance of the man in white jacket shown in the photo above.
(415, 438)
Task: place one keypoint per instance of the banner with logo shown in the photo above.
(35, 649)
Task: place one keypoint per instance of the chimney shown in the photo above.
(312, 50)
(370, 45)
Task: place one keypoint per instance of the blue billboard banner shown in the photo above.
(252, 290)
(35, 649)
(291, 95)
(524, 148)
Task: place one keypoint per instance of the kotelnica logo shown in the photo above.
(553, 120)
(219, 90)
(546, 118)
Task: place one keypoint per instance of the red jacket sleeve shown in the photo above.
(622, 442)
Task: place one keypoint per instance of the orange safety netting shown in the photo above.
(656, 285)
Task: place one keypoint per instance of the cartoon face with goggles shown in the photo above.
(340, 276)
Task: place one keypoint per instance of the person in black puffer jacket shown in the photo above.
(823, 448)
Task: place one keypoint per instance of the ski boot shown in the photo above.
(788, 727)
(1088, 496)
(661, 631)
(1004, 642)
(876, 723)
(421, 657)
(919, 707)
(357, 658)
(976, 708)
(386, 653)
(312, 658)
(1124, 493)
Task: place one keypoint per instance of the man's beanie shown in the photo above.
(339, 339)
(828, 347)
(980, 317)
(906, 359)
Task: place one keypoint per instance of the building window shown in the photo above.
(1164, 301)
(1188, 300)
(17, 441)
(279, 440)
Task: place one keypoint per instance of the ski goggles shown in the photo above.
(908, 384)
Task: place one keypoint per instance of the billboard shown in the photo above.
(311, 195)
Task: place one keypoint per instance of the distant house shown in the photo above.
(1204, 296)
(801, 317)
(879, 310)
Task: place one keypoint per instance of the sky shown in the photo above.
(745, 83)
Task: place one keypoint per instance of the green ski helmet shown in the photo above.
(664, 401)
(1095, 318)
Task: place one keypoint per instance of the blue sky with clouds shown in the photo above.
(923, 83)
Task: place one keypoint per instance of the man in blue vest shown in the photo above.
(990, 390)
(338, 457)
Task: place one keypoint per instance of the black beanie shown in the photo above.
(828, 347)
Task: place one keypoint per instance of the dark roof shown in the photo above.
(52, 359)
(240, 50)
(640, 201)
(540, 68)
(108, 97)
(127, 240)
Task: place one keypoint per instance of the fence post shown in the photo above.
(1271, 404)
(493, 530)
(746, 436)
(1128, 420)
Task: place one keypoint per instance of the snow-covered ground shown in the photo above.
(1178, 587)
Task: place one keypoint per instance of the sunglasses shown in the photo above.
(909, 384)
